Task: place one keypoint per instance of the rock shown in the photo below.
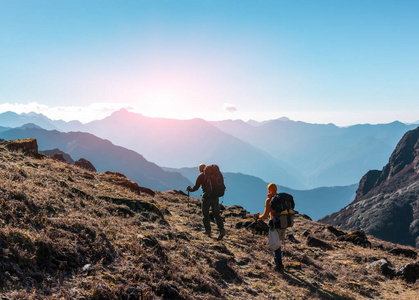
(409, 272)
(122, 180)
(226, 272)
(314, 242)
(236, 211)
(258, 226)
(367, 183)
(382, 266)
(59, 157)
(87, 268)
(306, 233)
(405, 252)
(27, 146)
(291, 238)
(85, 164)
(335, 231)
(357, 237)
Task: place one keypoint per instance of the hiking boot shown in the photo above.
(279, 268)
(222, 234)
(208, 232)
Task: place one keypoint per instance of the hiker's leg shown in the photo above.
(278, 259)
(216, 212)
(278, 256)
(205, 214)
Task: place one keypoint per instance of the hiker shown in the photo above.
(208, 202)
(269, 213)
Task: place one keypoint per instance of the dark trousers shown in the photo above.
(212, 203)
(278, 258)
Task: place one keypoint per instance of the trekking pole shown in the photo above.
(189, 214)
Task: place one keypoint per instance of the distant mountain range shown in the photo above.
(387, 201)
(298, 155)
(324, 155)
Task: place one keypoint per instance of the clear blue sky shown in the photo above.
(319, 61)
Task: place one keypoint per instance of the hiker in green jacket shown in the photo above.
(208, 203)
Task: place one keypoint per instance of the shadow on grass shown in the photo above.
(294, 279)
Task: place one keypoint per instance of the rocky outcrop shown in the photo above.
(122, 180)
(59, 155)
(27, 146)
(357, 237)
(401, 170)
(85, 164)
(387, 201)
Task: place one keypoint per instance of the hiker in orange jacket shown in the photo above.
(269, 213)
(208, 203)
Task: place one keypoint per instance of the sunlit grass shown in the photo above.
(67, 233)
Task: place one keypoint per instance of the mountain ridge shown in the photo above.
(298, 150)
(386, 202)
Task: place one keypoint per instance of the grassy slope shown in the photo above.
(66, 233)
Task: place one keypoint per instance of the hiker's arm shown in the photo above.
(198, 183)
(266, 212)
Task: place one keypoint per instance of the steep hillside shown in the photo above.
(387, 201)
(67, 233)
(104, 155)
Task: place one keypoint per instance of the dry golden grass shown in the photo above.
(66, 233)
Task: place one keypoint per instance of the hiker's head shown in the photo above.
(201, 167)
(272, 188)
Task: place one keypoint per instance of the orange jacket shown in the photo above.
(269, 212)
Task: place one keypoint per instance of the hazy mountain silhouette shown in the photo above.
(386, 203)
(250, 192)
(180, 143)
(298, 154)
(104, 155)
(13, 120)
(326, 155)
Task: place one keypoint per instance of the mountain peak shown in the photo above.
(30, 125)
(399, 171)
(386, 201)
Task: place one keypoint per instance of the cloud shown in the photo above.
(94, 111)
(229, 107)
